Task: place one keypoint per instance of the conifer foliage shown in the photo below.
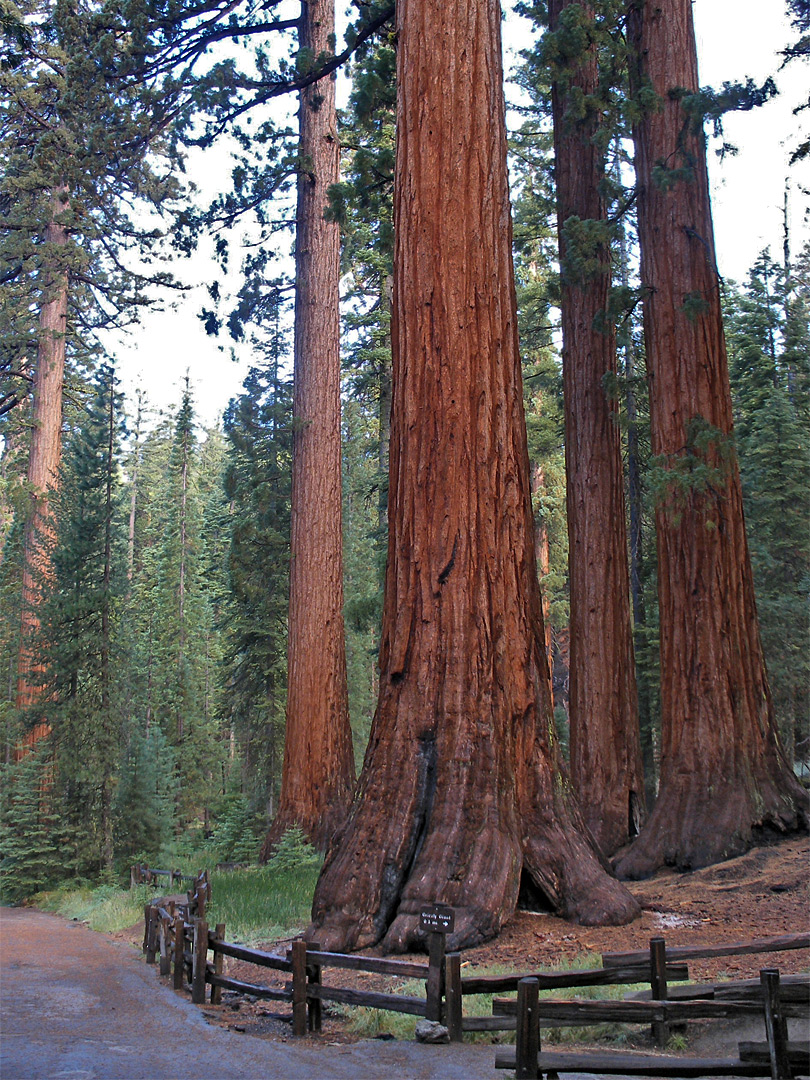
(79, 639)
(769, 348)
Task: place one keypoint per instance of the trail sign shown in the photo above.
(438, 918)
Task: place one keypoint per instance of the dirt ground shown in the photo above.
(763, 893)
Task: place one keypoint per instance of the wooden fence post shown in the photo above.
(775, 1025)
(200, 962)
(146, 909)
(527, 1036)
(452, 981)
(299, 981)
(216, 991)
(179, 950)
(314, 1011)
(658, 986)
(165, 962)
(435, 979)
(151, 935)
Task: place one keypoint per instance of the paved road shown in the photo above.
(76, 1006)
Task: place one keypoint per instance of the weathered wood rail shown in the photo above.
(140, 874)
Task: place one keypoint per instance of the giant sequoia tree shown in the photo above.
(318, 774)
(723, 772)
(461, 794)
(605, 750)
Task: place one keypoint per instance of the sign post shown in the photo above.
(437, 921)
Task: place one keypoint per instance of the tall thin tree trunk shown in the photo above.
(181, 584)
(460, 796)
(635, 504)
(318, 771)
(133, 496)
(44, 459)
(106, 705)
(605, 750)
(723, 772)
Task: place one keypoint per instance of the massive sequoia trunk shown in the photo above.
(43, 461)
(723, 773)
(318, 770)
(606, 766)
(461, 796)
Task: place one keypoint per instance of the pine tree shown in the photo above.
(78, 642)
(32, 840)
(183, 617)
(145, 796)
(258, 427)
(770, 424)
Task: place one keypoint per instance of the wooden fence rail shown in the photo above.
(144, 875)
(702, 952)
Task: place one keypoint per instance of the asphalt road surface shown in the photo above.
(75, 1005)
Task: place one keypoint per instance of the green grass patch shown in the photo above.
(256, 904)
(259, 903)
(263, 903)
(105, 908)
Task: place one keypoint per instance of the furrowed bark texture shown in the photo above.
(43, 465)
(606, 767)
(460, 791)
(723, 773)
(318, 770)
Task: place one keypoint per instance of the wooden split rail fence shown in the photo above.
(775, 1000)
(179, 935)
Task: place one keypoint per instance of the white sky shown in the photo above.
(736, 38)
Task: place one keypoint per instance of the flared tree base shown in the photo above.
(414, 845)
(694, 826)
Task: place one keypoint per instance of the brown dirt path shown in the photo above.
(78, 1006)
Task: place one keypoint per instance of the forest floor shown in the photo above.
(763, 893)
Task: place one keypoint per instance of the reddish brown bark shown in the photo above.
(43, 461)
(723, 773)
(606, 764)
(460, 795)
(318, 770)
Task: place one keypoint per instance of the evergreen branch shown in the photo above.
(36, 117)
(278, 87)
(623, 207)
